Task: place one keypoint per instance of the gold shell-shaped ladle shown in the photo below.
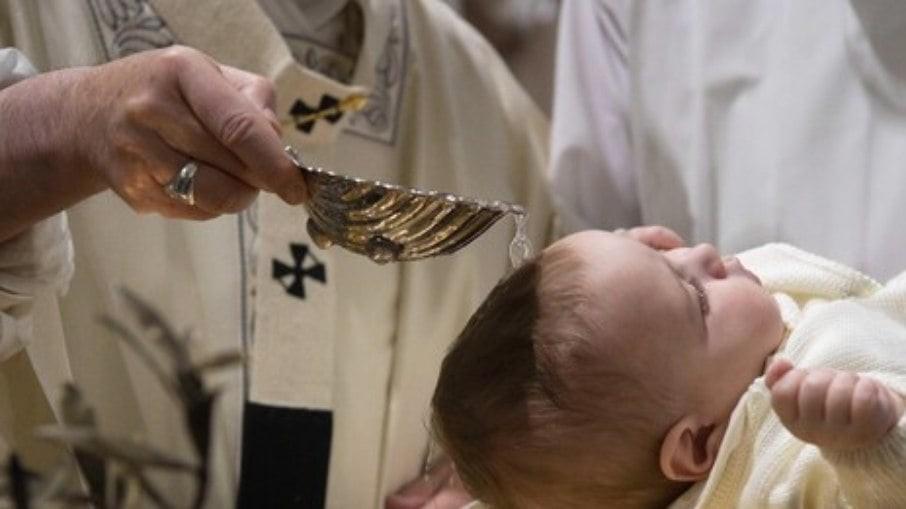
(391, 223)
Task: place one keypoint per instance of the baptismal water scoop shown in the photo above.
(391, 223)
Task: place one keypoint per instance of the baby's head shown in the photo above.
(602, 372)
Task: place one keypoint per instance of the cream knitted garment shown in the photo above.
(837, 318)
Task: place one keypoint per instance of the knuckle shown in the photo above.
(781, 390)
(842, 380)
(813, 384)
(265, 88)
(868, 396)
(175, 57)
(785, 396)
(129, 189)
(237, 128)
(123, 146)
(141, 107)
(133, 190)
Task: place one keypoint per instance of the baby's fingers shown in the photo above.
(776, 369)
(874, 408)
(785, 390)
(813, 393)
(839, 395)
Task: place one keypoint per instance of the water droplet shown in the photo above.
(520, 246)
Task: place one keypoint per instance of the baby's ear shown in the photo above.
(690, 448)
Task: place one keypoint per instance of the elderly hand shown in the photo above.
(138, 120)
(831, 408)
(439, 488)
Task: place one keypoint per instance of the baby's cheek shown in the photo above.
(747, 314)
(767, 312)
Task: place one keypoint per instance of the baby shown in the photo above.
(623, 370)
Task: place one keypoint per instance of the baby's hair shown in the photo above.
(531, 410)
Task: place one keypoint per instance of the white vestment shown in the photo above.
(737, 122)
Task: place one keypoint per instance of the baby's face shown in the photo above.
(685, 320)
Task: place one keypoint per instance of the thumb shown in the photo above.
(776, 369)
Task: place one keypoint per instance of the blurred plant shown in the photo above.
(115, 469)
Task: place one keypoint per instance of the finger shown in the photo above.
(418, 492)
(257, 89)
(138, 178)
(176, 126)
(872, 416)
(397, 501)
(145, 195)
(219, 193)
(449, 498)
(897, 402)
(657, 237)
(865, 395)
(839, 395)
(214, 191)
(812, 395)
(776, 369)
(785, 396)
(175, 209)
(894, 404)
(866, 403)
(237, 123)
(413, 495)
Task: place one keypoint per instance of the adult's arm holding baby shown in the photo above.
(857, 422)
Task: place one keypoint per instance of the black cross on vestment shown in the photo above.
(292, 277)
(301, 110)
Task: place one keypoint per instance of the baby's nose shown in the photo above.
(708, 259)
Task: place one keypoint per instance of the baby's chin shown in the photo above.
(769, 328)
(775, 321)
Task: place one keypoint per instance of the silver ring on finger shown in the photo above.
(182, 186)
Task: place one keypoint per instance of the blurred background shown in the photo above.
(524, 33)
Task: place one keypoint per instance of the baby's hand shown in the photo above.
(831, 408)
(660, 238)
